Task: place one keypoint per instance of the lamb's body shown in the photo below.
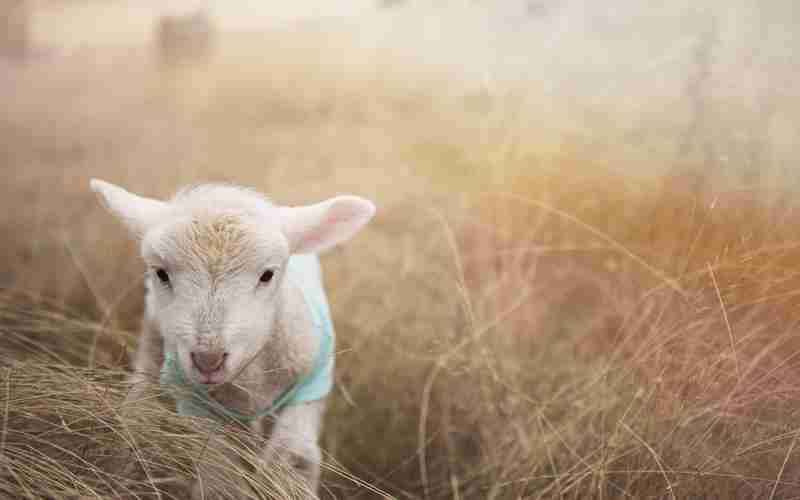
(233, 311)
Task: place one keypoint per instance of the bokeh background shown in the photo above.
(582, 281)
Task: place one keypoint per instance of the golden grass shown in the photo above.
(524, 319)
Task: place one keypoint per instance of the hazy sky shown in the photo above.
(580, 60)
(485, 39)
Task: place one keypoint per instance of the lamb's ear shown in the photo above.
(136, 212)
(314, 228)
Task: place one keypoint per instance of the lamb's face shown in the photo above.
(213, 285)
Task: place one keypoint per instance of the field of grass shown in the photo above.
(555, 300)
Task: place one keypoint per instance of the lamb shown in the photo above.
(235, 308)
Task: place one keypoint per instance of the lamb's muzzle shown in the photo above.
(208, 362)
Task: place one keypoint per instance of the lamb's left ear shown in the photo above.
(136, 212)
(314, 228)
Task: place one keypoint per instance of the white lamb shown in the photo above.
(234, 293)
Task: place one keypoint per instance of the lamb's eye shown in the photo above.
(267, 276)
(162, 276)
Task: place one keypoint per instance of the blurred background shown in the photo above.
(582, 280)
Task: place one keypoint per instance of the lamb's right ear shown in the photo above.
(315, 228)
(136, 212)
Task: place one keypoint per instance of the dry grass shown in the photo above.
(524, 319)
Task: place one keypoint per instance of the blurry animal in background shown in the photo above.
(14, 28)
(184, 38)
(536, 8)
(237, 325)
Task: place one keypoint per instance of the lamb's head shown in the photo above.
(215, 256)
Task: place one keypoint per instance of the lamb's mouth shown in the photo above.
(214, 378)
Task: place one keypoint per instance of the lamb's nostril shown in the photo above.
(208, 361)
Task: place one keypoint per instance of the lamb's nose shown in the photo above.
(208, 362)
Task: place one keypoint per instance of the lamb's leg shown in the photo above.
(146, 368)
(295, 440)
(215, 468)
(146, 362)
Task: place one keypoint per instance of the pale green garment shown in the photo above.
(193, 400)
